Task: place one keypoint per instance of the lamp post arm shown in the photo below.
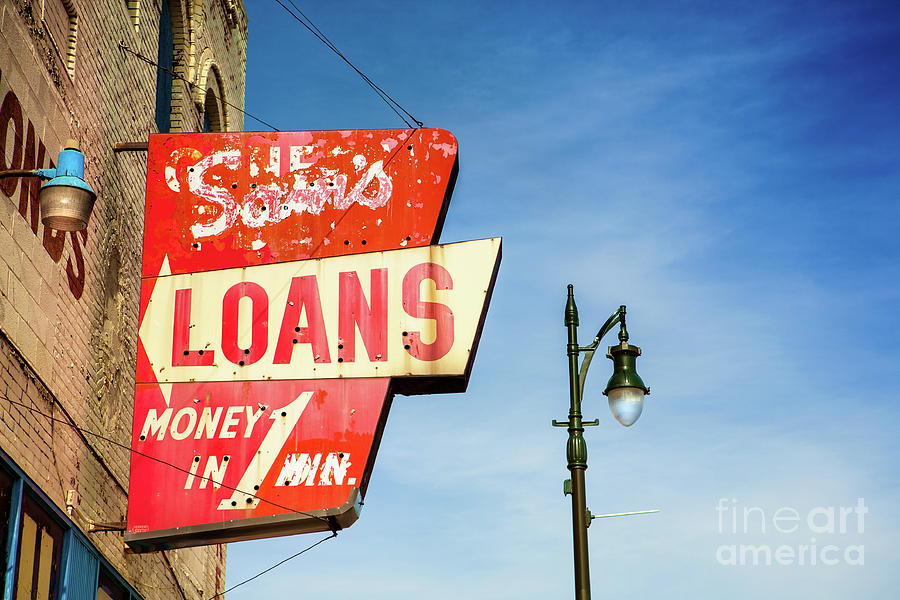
(42, 173)
(17, 173)
(617, 318)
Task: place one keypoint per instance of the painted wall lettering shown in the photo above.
(21, 148)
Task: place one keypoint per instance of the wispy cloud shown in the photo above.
(727, 171)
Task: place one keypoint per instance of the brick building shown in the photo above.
(68, 301)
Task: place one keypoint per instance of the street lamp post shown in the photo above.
(625, 391)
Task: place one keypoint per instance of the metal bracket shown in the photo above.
(593, 423)
(130, 147)
(624, 514)
(567, 487)
(590, 517)
(617, 318)
(97, 527)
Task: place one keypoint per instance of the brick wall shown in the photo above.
(68, 302)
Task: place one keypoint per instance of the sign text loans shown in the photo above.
(372, 315)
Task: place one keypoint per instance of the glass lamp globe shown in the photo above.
(625, 389)
(626, 404)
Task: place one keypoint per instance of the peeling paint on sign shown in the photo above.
(291, 285)
(239, 199)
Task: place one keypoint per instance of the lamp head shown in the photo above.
(67, 199)
(626, 389)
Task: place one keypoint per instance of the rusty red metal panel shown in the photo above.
(224, 200)
(249, 451)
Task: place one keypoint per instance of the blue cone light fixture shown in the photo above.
(66, 198)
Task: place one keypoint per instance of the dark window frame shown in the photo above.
(24, 490)
(7, 488)
(165, 58)
(110, 585)
(46, 525)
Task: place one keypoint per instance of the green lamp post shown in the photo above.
(625, 391)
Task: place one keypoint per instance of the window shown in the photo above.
(49, 558)
(134, 12)
(40, 547)
(61, 21)
(165, 57)
(6, 483)
(109, 589)
(213, 100)
(212, 121)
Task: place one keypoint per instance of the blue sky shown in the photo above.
(731, 172)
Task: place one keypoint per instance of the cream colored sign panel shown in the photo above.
(414, 311)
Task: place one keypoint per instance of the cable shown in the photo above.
(378, 90)
(161, 461)
(275, 566)
(313, 29)
(125, 48)
(177, 581)
(348, 209)
(115, 443)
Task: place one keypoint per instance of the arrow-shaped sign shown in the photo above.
(410, 312)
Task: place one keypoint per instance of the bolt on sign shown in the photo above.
(291, 285)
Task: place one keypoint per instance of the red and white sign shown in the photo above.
(290, 288)
(224, 200)
(302, 446)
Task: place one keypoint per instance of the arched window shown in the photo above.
(165, 57)
(212, 121)
(213, 107)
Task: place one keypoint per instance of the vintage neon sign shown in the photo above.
(290, 288)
